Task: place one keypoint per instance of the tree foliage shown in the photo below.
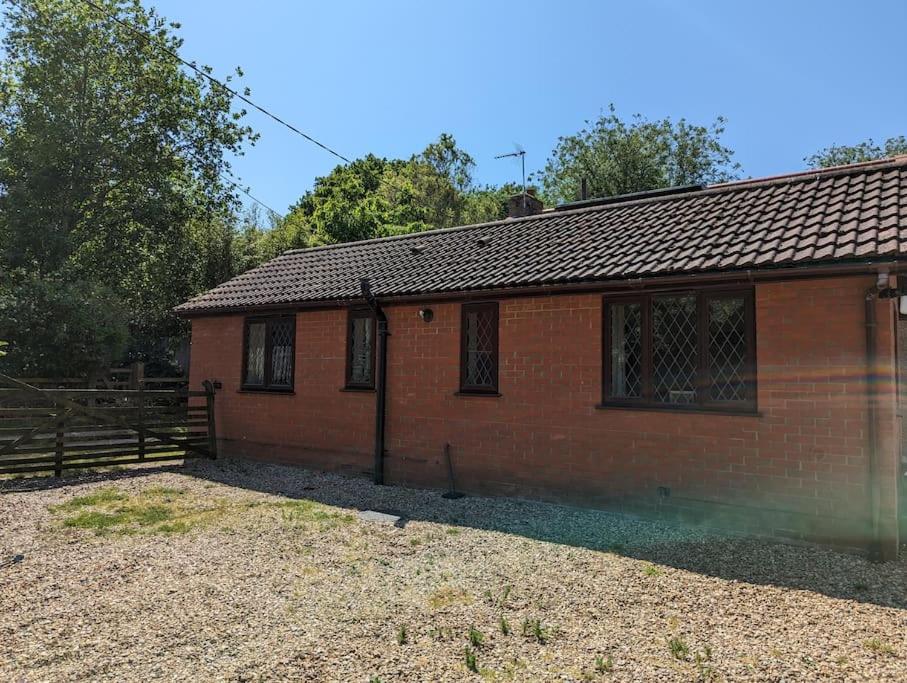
(617, 157)
(375, 197)
(44, 315)
(838, 155)
(111, 164)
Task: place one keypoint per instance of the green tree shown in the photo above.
(111, 164)
(60, 328)
(617, 157)
(375, 197)
(838, 155)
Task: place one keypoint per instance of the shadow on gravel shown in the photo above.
(732, 558)
(76, 478)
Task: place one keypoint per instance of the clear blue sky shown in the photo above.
(387, 77)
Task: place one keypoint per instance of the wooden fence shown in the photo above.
(130, 377)
(57, 429)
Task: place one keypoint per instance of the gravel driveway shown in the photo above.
(239, 571)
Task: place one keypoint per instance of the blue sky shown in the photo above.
(388, 77)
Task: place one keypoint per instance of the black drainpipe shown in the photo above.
(872, 294)
(381, 382)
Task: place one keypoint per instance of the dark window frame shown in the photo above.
(357, 313)
(267, 385)
(703, 382)
(480, 390)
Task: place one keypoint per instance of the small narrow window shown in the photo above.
(268, 356)
(360, 349)
(479, 348)
(626, 350)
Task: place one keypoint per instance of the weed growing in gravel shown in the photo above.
(679, 649)
(878, 647)
(476, 637)
(471, 663)
(442, 633)
(652, 570)
(505, 627)
(375, 679)
(604, 665)
(533, 628)
(453, 532)
(704, 670)
(402, 635)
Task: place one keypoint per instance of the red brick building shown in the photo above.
(725, 355)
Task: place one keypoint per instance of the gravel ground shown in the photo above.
(240, 571)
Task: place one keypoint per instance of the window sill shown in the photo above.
(679, 410)
(359, 390)
(478, 394)
(278, 392)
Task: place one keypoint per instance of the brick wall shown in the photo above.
(798, 469)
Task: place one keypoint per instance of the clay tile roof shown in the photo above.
(842, 214)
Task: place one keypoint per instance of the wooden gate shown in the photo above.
(57, 429)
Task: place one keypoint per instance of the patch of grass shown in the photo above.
(453, 532)
(102, 496)
(156, 509)
(652, 570)
(604, 665)
(415, 541)
(878, 647)
(309, 515)
(402, 636)
(471, 663)
(447, 596)
(93, 520)
(679, 649)
(476, 637)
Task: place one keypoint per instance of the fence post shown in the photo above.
(136, 375)
(58, 451)
(209, 404)
(140, 396)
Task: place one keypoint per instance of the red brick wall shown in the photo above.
(799, 468)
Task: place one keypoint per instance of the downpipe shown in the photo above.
(872, 431)
(381, 378)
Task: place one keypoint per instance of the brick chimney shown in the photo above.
(526, 204)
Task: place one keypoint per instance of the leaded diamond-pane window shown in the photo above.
(675, 359)
(360, 349)
(479, 348)
(727, 349)
(282, 352)
(680, 350)
(269, 348)
(626, 350)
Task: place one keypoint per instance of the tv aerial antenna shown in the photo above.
(521, 153)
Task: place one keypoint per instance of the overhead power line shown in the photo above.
(155, 43)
